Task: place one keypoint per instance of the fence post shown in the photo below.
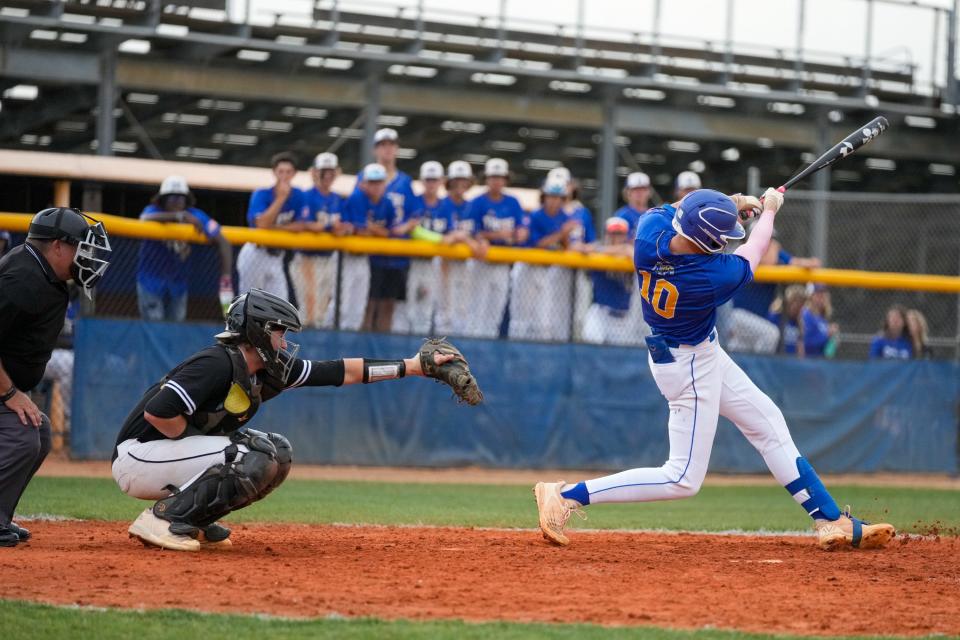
(821, 189)
(371, 113)
(951, 96)
(607, 159)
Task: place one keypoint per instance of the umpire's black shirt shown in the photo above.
(33, 304)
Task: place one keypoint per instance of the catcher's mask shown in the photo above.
(252, 318)
(77, 228)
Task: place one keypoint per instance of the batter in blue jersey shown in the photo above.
(683, 277)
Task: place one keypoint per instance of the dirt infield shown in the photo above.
(769, 584)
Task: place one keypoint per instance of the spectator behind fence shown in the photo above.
(163, 269)
(608, 320)
(636, 192)
(367, 203)
(822, 307)
(894, 341)
(802, 333)
(919, 334)
(314, 273)
(415, 314)
(585, 233)
(541, 297)
(746, 327)
(455, 298)
(500, 220)
(281, 206)
(687, 182)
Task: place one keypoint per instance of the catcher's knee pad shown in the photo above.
(820, 499)
(284, 461)
(242, 480)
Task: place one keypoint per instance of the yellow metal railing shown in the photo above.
(144, 230)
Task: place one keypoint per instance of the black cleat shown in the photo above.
(8, 537)
(215, 534)
(23, 534)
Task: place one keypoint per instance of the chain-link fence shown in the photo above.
(169, 280)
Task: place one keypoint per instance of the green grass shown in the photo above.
(310, 501)
(39, 622)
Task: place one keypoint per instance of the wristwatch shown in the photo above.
(12, 391)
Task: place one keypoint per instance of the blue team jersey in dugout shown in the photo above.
(632, 216)
(163, 265)
(584, 233)
(504, 214)
(325, 209)
(542, 224)
(612, 289)
(359, 210)
(295, 207)
(681, 293)
(431, 215)
(454, 216)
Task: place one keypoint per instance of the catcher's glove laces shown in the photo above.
(455, 373)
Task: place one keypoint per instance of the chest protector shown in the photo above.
(240, 404)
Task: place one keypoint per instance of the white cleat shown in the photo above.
(554, 511)
(151, 530)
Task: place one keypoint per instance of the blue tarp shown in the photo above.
(567, 405)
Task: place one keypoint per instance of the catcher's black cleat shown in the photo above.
(214, 535)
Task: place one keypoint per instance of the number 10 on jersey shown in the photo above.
(663, 299)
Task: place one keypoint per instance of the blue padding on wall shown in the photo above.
(575, 406)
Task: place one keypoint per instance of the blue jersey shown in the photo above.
(815, 333)
(325, 209)
(432, 216)
(681, 293)
(452, 216)
(612, 289)
(163, 265)
(360, 210)
(400, 194)
(758, 297)
(504, 214)
(632, 216)
(584, 233)
(542, 224)
(295, 207)
(883, 347)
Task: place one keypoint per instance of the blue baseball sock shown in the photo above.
(816, 500)
(579, 493)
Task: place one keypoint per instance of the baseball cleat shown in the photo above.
(152, 531)
(23, 534)
(847, 531)
(214, 536)
(554, 511)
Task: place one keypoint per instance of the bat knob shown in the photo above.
(782, 189)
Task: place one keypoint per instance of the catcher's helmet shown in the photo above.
(77, 228)
(709, 219)
(252, 317)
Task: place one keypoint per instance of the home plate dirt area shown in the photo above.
(751, 583)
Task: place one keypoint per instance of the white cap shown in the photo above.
(374, 172)
(174, 185)
(555, 187)
(688, 180)
(431, 170)
(559, 173)
(496, 167)
(638, 180)
(385, 134)
(326, 161)
(459, 169)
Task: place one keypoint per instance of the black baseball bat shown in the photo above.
(841, 150)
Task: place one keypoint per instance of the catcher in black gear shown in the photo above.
(186, 444)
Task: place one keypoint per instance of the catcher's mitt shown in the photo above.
(455, 373)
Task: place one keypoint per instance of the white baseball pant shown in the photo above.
(454, 298)
(415, 314)
(489, 288)
(314, 281)
(541, 300)
(259, 269)
(354, 292)
(700, 385)
(145, 469)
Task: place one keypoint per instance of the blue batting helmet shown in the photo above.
(708, 219)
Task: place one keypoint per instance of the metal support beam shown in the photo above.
(728, 45)
(868, 50)
(371, 112)
(106, 101)
(607, 159)
(61, 193)
(952, 15)
(655, 46)
(821, 188)
(801, 27)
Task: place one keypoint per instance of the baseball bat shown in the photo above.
(841, 150)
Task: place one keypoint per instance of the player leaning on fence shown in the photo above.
(61, 245)
(684, 277)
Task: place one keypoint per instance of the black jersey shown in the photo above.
(198, 387)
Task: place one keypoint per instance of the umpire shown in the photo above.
(62, 244)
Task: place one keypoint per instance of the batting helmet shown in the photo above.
(77, 228)
(252, 317)
(708, 219)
